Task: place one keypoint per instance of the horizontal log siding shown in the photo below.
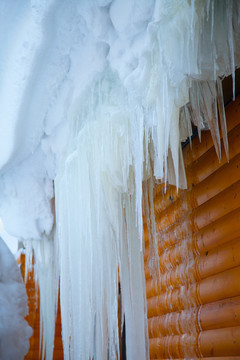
(194, 310)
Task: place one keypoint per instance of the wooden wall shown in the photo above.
(33, 319)
(194, 312)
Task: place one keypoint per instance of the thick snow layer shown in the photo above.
(11, 241)
(14, 330)
(95, 98)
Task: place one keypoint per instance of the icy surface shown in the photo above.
(47, 277)
(105, 237)
(95, 98)
(14, 330)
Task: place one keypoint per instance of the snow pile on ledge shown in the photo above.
(95, 98)
(14, 330)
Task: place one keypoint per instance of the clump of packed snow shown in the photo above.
(14, 330)
(95, 98)
(11, 241)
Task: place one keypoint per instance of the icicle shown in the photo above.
(210, 110)
(133, 282)
(192, 17)
(203, 99)
(208, 7)
(103, 236)
(212, 22)
(47, 279)
(196, 112)
(185, 123)
(229, 11)
(153, 258)
(222, 116)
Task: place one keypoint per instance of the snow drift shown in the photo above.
(14, 330)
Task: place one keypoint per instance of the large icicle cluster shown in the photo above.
(14, 330)
(95, 98)
(97, 228)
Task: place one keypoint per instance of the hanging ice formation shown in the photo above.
(97, 96)
(46, 269)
